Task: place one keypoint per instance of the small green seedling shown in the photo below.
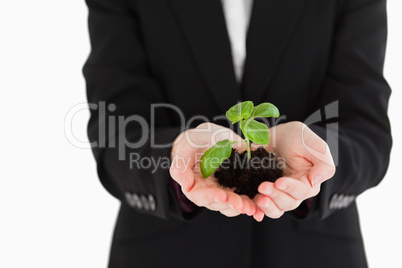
(244, 113)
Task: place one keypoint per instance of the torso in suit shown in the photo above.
(301, 55)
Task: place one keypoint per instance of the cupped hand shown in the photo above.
(307, 162)
(185, 170)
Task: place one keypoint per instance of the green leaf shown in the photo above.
(265, 109)
(214, 157)
(240, 111)
(255, 131)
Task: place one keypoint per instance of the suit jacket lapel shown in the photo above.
(270, 30)
(203, 24)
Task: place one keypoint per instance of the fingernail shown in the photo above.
(266, 205)
(281, 186)
(230, 206)
(217, 200)
(268, 190)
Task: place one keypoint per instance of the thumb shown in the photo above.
(317, 151)
(181, 170)
(320, 172)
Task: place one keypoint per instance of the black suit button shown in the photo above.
(137, 201)
(141, 201)
(145, 202)
(151, 203)
(339, 201)
(129, 199)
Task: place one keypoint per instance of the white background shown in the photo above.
(53, 210)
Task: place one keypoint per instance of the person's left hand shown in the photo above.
(308, 163)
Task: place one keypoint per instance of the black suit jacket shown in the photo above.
(301, 55)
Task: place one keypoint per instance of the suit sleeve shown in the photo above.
(122, 89)
(361, 138)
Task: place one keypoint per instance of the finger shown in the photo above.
(320, 172)
(182, 165)
(281, 199)
(252, 205)
(299, 189)
(230, 212)
(248, 206)
(268, 207)
(218, 206)
(266, 188)
(235, 201)
(318, 153)
(259, 215)
(205, 196)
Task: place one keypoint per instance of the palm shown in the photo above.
(291, 148)
(211, 187)
(207, 192)
(295, 165)
(209, 184)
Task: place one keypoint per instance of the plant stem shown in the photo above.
(248, 149)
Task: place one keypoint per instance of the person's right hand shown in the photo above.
(185, 170)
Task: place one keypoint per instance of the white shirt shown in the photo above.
(237, 16)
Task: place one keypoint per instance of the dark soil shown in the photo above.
(245, 176)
